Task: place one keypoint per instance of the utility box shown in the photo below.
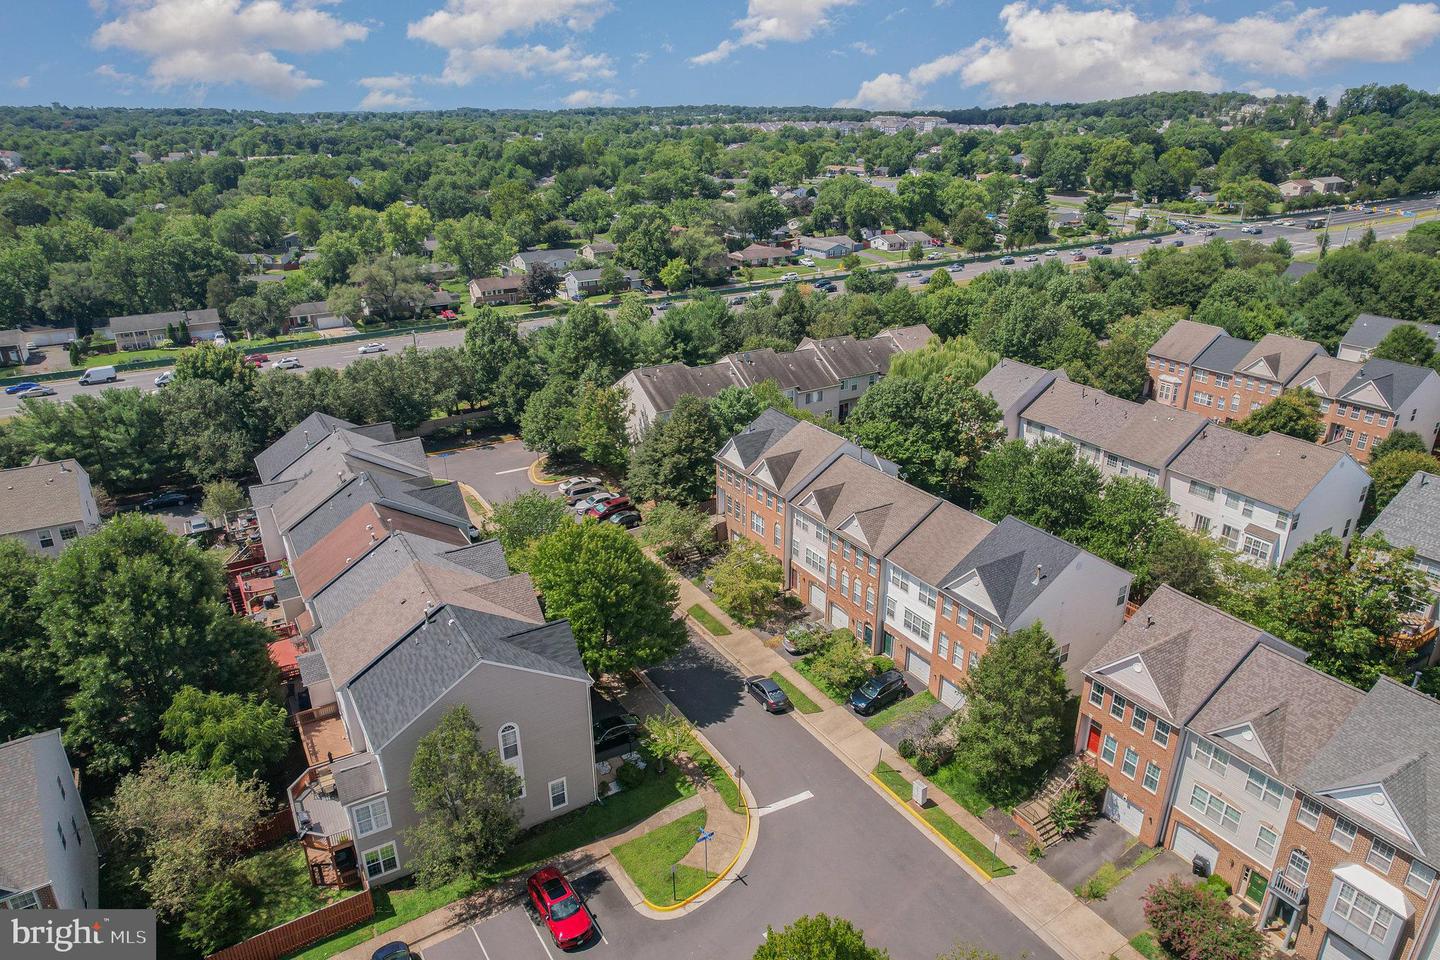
(919, 793)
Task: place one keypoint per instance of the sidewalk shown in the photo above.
(1068, 925)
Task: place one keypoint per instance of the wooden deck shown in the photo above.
(323, 735)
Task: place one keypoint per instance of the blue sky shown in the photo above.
(902, 54)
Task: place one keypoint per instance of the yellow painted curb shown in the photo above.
(931, 827)
(718, 877)
(535, 475)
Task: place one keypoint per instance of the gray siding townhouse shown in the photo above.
(48, 857)
(47, 505)
(1013, 386)
(1412, 520)
(1369, 329)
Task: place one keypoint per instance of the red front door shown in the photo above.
(1092, 740)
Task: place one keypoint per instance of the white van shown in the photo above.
(98, 375)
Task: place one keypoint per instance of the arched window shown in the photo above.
(510, 750)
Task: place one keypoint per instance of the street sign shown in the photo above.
(705, 836)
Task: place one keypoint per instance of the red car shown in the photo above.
(560, 907)
(447, 315)
(256, 359)
(609, 508)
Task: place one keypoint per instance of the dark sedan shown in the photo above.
(618, 729)
(879, 692)
(768, 693)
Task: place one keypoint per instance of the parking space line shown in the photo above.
(543, 945)
(483, 951)
(501, 473)
(782, 804)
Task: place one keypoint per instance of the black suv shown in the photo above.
(618, 729)
(879, 692)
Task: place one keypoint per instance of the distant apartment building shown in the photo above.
(825, 377)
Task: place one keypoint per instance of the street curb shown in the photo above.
(931, 827)
(535, 475)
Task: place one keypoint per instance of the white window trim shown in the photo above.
(1301, 813)
(365, 867)
(370, 805)
(565, 790)
(24, 900)
(518, 764)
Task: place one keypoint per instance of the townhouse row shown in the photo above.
(390, 613)
(913, 576)
(1312, 799)
(1198, 367)
(1261, 497)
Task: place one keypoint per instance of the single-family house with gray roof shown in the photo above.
(48, 854)
(1368, 330)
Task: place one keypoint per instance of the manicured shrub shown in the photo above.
(906, 748)
(630, 776)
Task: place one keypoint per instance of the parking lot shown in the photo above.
(497, 470)
(514, 934)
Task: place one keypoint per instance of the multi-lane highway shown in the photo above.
(1346, 226)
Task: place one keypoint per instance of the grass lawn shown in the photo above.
(946, 826)
(901, 708)
(648, 859)
(802, 667)
(960, 786)
(721, 780)
(709, 621)
(1147, 946)
(1108, 876)
(802, 703)
(403, 902)
(280, 880)
(894, 256)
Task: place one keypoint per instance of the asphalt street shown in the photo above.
(843, 850)
(1346, 227)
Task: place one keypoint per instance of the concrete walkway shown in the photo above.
(1068, 925)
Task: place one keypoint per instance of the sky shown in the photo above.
(910, 55)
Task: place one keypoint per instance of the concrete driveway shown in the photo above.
(1072, 862)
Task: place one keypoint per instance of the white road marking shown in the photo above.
(782, 804)
(483, 951)
(543, 945)
(501, 473)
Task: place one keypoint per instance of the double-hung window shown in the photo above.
(1308, 815)
(1381, 855)
(1343, 833)
(1107, 749)
(1139, 718)
(380, 861)
(1162, 733)
(1097, 694)
(1131, 763)
(371, 817)
(1117, 706)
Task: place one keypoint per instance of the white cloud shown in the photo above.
(395, 92)
(592, 98)
(860, 46)
(473, 34)
(124, 82)
(204, 42)
(21, 83)
(1059, 53)
(788, 21)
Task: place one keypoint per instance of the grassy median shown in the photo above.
(648, 860)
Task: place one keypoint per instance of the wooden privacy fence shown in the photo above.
(302, 931)
(279, 826)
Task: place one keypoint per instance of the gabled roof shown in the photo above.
(1185, 341)
(793, 370)
(355, 535)
(665, 384)
(1392, 382)
(1274, 469)
(1412, 519)
(1224, 355)
(1390, 740)
(1015, 563)
(418, 497)
(762, 251)
(846, 357)
(1150, 433)
(23, 865)
(1009, 380)
(547, 256)
(1369, 329)
(866, 505)
(908, 339)
(42, 495)
(138, 322)
(1279, 357)
(273, 460)
(483, 285)
(434, 653)
(1185, 648)
(1291, 708)
(940, 542)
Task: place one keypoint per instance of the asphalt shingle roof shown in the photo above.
(665, 384)
(1293, 708)
(1274, 469)
(40, 495)
(1283, 357)
(1340, 379)
(271, 461)
(1412, 519)
(884, 508)
(1008, 380)
(22, 834)
(1224, 354)
(1369, 329)
(1185, 341)
(1150, 433)
(1388, 739)
(1006, 562)
(934, 548)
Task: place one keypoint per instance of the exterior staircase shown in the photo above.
(1033, 816)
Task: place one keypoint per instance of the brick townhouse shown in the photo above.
(913, 576)
(1359, 854)
(1241, 756)
(1198, 367)
(1143, 687)
(1361, 403)
(1169, 362)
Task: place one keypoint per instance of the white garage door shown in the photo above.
(917, 665)
(1190, 844)
(1123, 812)
(951, 695)
(817, 596)
(839, 619)
(1336, 949)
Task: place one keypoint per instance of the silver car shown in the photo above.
(373, 348)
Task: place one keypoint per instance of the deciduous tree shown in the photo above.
(227, 734)
(1295, 413)
(818, 937)
(675, 459)
(747, 582)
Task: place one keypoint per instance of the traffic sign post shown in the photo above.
(705, 837)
